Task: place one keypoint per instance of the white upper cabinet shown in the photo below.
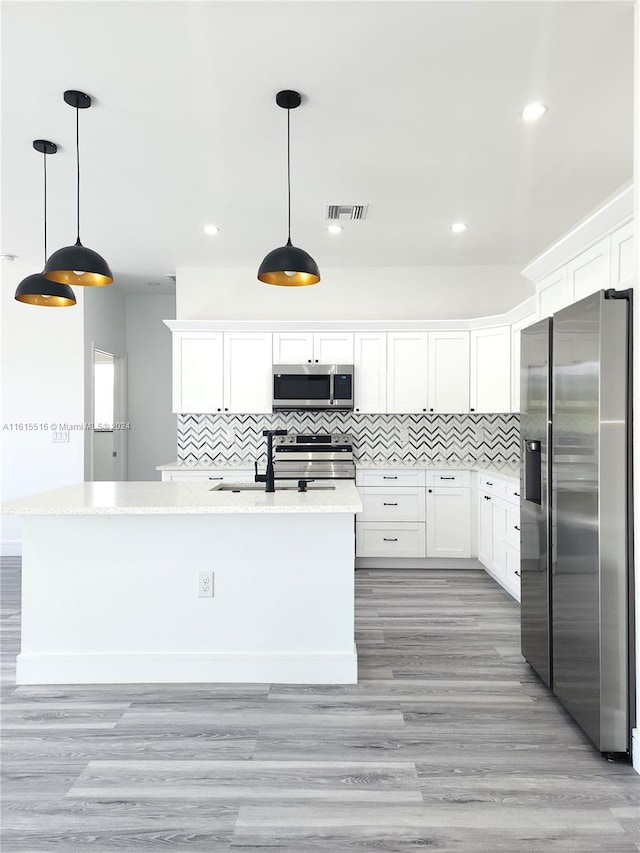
(590, 271)
(247, 372)
(491, 370)
(333, 347)
(407, 378)
(293, 347)
(313, 347)
(516, 328)
(554, 292)
(448, 372)
(622, 258)
(370, 372)
(197, 372)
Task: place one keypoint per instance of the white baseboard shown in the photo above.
(418, 563)
(11, 548)
(187, 668)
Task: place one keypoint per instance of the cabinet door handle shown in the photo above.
(472, 410)
(216, 478)
(489, 484)
(384, 539)
(517, 574)
(384, 477)
(516, 527)
(430, 491)
(386, 504)
(447, 478)
(517, 494)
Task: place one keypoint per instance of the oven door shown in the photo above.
(301, 387)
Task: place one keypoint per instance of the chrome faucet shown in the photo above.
(269, 476)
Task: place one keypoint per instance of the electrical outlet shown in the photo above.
(205, 584)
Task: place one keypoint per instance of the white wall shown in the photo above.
(394, 293)
(43, 384)
(104, 329)
(152, 436)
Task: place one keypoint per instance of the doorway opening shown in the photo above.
(109, 417)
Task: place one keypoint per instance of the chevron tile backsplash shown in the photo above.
(223, 438)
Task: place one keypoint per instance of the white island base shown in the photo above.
(114, 598)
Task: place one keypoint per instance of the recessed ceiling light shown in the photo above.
(534, 111)
(211, 230)
(458, 227)
(334, 229)
(153, 284)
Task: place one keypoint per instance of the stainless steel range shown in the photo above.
(318, 456)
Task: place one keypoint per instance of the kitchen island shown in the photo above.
(111, 583)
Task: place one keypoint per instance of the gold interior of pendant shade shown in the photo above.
(300, 279)
(49, 301)
(89, 279)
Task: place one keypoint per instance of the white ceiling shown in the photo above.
(411, 108)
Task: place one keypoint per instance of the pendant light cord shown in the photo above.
(44, 164)
(78, 173)
(289, 173)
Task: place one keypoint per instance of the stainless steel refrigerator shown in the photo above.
(576, 512)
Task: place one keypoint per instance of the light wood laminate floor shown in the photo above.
(448, 742)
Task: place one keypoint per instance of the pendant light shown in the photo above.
(77, 264)
(287, 265)
(36, 289)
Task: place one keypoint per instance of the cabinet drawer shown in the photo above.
(392, 504)
(376, 539)
(448, 478)
(491, 485)
(511, 492)
(229, 476)
(390, 477)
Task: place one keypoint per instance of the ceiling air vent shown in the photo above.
(347, 211)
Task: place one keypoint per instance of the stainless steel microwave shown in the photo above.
(312, 386)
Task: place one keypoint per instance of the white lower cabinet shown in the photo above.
(403, 517)
(448, 516)
(392, 521)
(499, 532)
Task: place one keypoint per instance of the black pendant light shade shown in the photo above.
(289, 266)
(36, 289)
(76, 264)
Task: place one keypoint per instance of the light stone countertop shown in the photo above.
(182, 498)
(240, 465)
(509, 470)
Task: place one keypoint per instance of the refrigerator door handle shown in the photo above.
(533, 471)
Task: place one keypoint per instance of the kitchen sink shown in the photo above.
(259, 487)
